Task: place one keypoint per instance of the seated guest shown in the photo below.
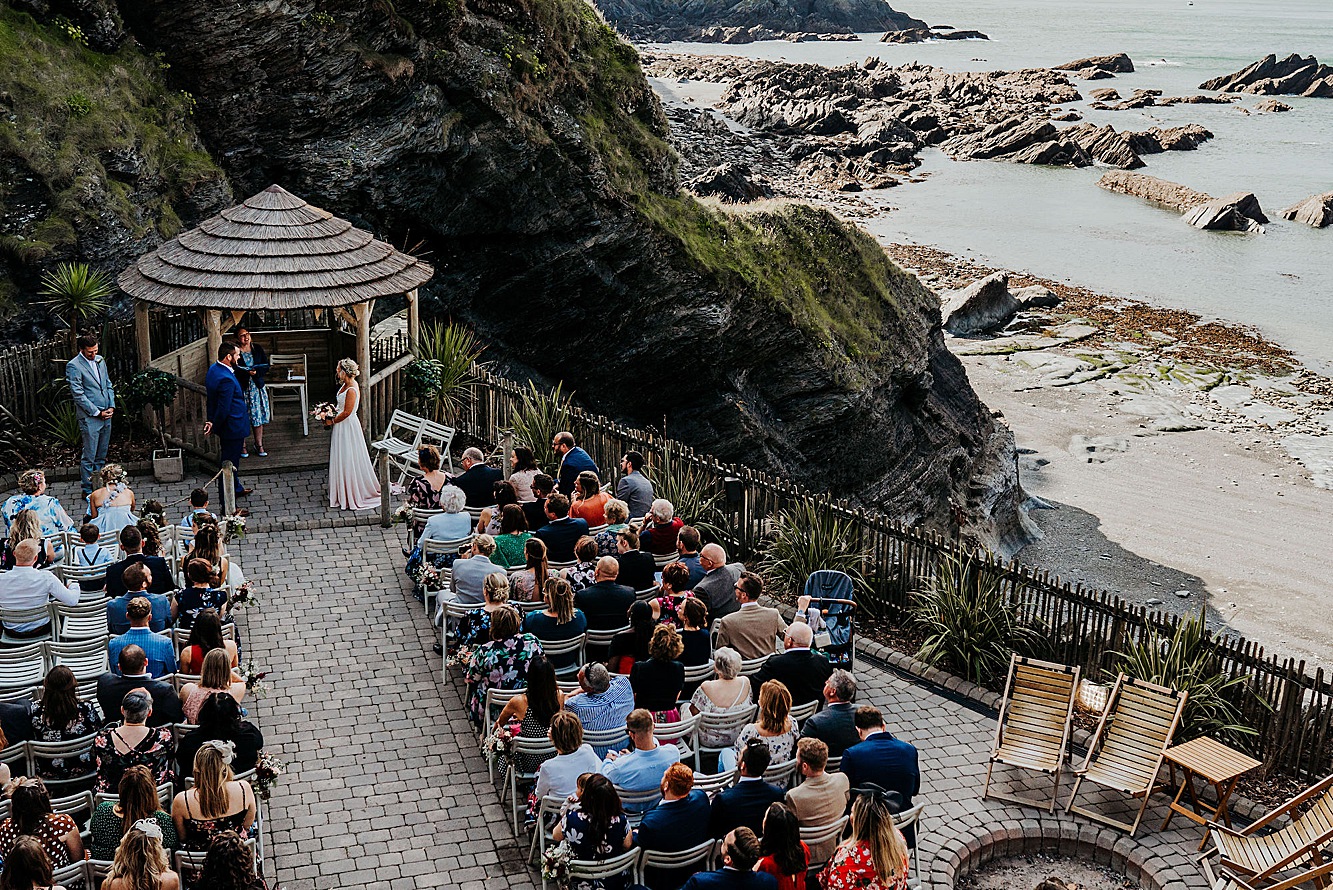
(209, 546)
(468, 578)
(141, 861)
(136, 579)
(661, 527)
(558, 776)
(881, 759)
(534, 511)
(784, 855)
(30, 814)
(501, 663)
(746, 802)
(26, 587)
(26, 528)
(27, 867)
(728, 694)
(111, 507)
(230, 865)
(821, 798)
(198, 596)
(477, 479)
(717, 588)
(559, 621)
(522, 470)
(132, 742)
(693, 617)
(589, 502)
(678, 822)
(752, 630)
(634, 489)
(455, 523)
(573, 460)
(217, 803)
(51, 516)
(740, 854)
(512, 538)
(603, 702)
(671, 592)
(597, 828)
(658, 680)
(137, 799)
(474, 628)
(131, 541)
(153, 511)
(533, 710)
(640, 767)
(160, 650)
(205, 636)
(216, 677)
(132, 665)
(198, 510)
(774, 726)
(151, 533)
(90, 555)
(528, 584)
(687, 546)
(630, 646)
(638, 570)
(61, 717)
(423, 492)
(561, 531)
(835, 725)
(616, 517)
(605, 602)
(875, 852)
(802, 671)
(502, 495)
(582, 573)
(220, 721)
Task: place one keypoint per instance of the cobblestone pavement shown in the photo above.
(385, 782)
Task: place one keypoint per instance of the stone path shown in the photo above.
(385, 782)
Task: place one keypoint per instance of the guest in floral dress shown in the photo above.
(61, 717)
(774, 727)
(474, 628)
(616, 514)
(251, 369)
(501, 663)
(132, 743)
(32, 496)
(875, 856)
(673, 591)
(596, 829)
(584, 572)
(424, 493)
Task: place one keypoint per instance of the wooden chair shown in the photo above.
(1032, 731)
(1130, 742)
(1260, 858)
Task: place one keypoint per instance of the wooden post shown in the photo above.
(413, 320)
(507, 441)
(141, 333)
(362, 312)
(385, 492)
(228, 488)
(213, 324)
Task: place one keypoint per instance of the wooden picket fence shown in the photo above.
(1290, 709)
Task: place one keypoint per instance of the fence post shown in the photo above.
(507, 440)
(228, 488)
(385, 491)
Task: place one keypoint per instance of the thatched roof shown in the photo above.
(274, 251)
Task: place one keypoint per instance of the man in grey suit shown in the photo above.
(718, 587)
(94, 402)
(634, 488)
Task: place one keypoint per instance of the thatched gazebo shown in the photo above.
(274, 252)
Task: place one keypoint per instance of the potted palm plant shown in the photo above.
(155, 389)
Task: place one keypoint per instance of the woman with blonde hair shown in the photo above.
(208, 546)
(352, 481)
(874, 856)
(26, 527)
(111, 507)
(218, 802)
(136, 800)
(32, 496)
(774, 725)
(216, 676)
(141, 861)
(474, 628)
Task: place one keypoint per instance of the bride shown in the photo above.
(352, 482)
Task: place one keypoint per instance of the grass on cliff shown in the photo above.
(63, 107)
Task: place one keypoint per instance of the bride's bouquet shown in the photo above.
(324, 411)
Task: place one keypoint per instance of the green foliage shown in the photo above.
(78, 104)
(808, 537)
(693, 493)
(77, 293)
(1186, 661)
(522, 59)
(439, 378)
(71, 31)
(62, 423)
(12, 439)
(537, 417)
(971, 629)
(323, 19)
(149, 388)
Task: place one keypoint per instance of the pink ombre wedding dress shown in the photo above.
(352, 482)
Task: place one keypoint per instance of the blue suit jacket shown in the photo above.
(889, 763)
(678, 825)
(92, 393)
(227, 409)
(731, 879)
(743, 804)
(560, 537)
(575, 461)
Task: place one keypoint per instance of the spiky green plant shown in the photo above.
(807, 537)
(693, 494)
(971, 628)
(1185, 661)
(11, 439)
(537, 417)
(77, 293)
(62, 423)
(445, 355)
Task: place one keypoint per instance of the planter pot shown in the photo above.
(168, 466)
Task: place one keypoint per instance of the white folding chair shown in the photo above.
(572, 646)
(11, 617)
(556, 565)
(441, 437)
(418, 514)
(516, 778)
(664, 559)
(603, 740)
(681, 733)
(696, 858)
(801, 713)
(38, 752)
(817, 836)
(549, 809)
(698, 673)
(403, 442)
(586, 870)
(600, 640)
(751, 666)
(647, 593)
(636, 803)
(86, 658)
(74, 873)
(712, 783)
(84, 621)
(781, 774)
(723, 725)
(81, 574)
(22, 667)
(194, 861)
(912, 817)
(164, 796)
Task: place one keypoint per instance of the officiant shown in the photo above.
(251, 368)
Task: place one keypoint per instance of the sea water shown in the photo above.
(1055, 222)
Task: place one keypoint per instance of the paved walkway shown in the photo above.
(385, 782)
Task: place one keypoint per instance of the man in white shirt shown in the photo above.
(26, 587)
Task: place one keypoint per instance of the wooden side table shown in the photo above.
(1215, 763)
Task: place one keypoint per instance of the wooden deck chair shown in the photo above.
(1258, 858)
(1130, 742)
(1032, 731)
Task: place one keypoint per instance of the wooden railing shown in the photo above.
(184, 421)
(385, 393)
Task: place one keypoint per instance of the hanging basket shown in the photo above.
(168, 465)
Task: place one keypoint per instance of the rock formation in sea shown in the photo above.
(1099, 67)
(662, 20)
(1314, 211)
(1237, 212)
(921, 35)
(1295, 75)
(521, 147)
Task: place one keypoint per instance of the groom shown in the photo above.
(228, 414)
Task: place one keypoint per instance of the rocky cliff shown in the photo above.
(665, 20)
(520, 141)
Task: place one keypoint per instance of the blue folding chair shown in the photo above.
(833, 593)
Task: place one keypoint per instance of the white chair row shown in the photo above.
(405, 434)
(27, 666)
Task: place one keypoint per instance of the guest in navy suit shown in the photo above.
(561, 532)
(740, 852)
(745, 803)
(228, 411)
(477, 479)
(678, 822)
(883, 760)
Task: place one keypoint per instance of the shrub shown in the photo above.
(62, 423)
(693, 493)
(78, 104)
(808, 537)
(536, 419)
(439, 378)
(149, 388)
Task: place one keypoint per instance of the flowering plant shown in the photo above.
(500, 743)
(555, 863)
(427, 578)
(461, 658)
(324, 411)
(233, 527)
(254, 680)
(245, 596)
(267, 771)
(402, 514)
